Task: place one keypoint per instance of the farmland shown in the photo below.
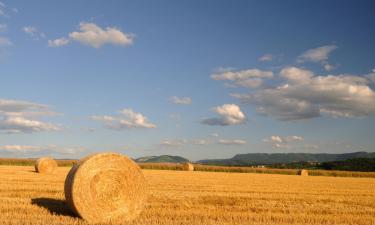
(182, 197)
(207, 168)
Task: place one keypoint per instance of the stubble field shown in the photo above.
(181, 197)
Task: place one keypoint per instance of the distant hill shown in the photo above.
(357, 164)
(161, 159)
(273, 158)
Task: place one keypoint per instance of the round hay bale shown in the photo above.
(188, 167)
(45, 165)
(105, 187)
(303, 172)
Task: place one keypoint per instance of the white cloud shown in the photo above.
(328, 67)
(23, 125)
(371, 76)
(319, 54)
(58, 42)
(230, 114)
(304, 95)
(30, 30)
(282, 142)
(173, 143)
(20, 117)
(33, 32)
(294, 138)
(20, 148)
(277, 139)
(92, 35)
(32, 149)
(181, 142)
(200, 142)
(266, 57)
(181, 100)
(232, 142)
(245, 98)
(250, 83)
(128, 119)
(242, 75)
(245, 78)
(296, 75)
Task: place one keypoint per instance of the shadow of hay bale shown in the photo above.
(54, 206)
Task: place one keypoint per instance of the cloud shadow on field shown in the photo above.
(54, 206)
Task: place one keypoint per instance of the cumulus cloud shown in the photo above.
(296, 75)
(127, 119)
(181, 100)
(304, 95)
(245, 78)
(266, 57)
(231, 142)
(92, 35)
(22, 117)
(282, 142)
(229, 114)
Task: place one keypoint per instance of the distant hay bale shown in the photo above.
(303, 172)
(45, 165)
(105, 187)
(188, 167)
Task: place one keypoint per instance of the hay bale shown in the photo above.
(188, 167)
(105, 187)
(303, 172)
(45, 165)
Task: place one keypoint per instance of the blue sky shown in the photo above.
(200, 79)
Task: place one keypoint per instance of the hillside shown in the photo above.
(273, 158)
(162, 159)
(357, 164)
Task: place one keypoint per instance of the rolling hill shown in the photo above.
(264, 158)
(162, 159)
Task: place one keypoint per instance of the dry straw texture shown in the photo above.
(200, 198)
(105, 187)
(303, 172)
(188, 167)
(45, 165)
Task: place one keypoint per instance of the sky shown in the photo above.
(198, 79)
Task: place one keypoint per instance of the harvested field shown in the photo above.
(181, 197)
